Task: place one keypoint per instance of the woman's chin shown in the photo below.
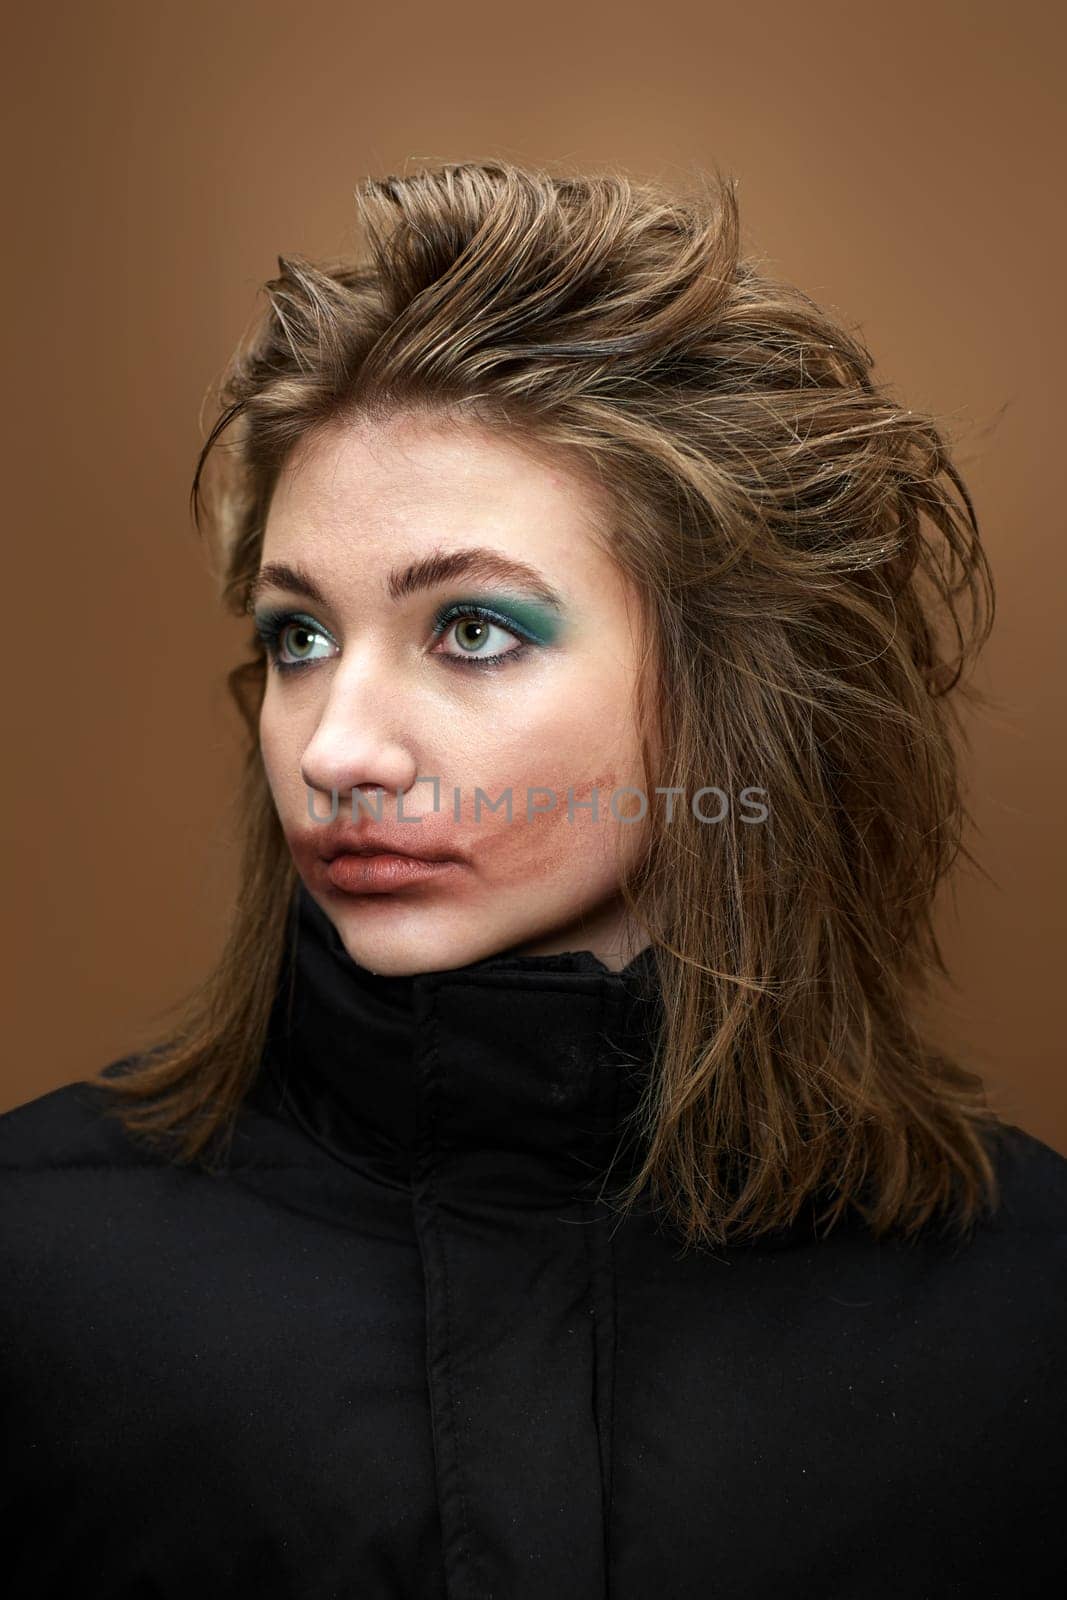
(401, 940)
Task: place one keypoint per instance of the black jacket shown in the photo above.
(398, 1347)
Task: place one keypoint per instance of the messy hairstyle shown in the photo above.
(810, 566)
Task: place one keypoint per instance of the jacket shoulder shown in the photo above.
(71, 1126)
(1033, 1182)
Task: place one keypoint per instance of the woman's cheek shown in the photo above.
(553, 840)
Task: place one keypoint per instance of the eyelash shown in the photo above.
(271, 626)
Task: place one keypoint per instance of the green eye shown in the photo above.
(299, 637)
(481, 629)
(474, 634)
(289, 639)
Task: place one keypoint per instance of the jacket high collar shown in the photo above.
(523, 1070)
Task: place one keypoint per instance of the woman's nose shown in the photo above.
(360, 740)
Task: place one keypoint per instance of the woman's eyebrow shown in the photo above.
(476, 562)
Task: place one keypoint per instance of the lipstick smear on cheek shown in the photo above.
(512, 851)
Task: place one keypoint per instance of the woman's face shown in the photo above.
(389, 534)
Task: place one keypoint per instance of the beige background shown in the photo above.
(901, 163)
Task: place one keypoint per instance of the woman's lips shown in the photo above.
(382, 874)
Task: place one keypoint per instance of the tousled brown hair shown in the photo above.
(809, 561)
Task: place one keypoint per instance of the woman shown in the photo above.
(553, 1191)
